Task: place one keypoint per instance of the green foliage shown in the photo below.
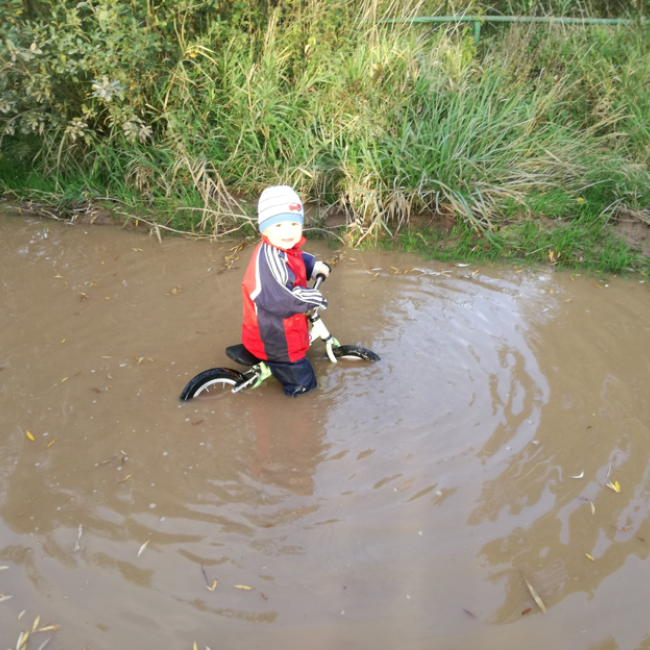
(192, 105)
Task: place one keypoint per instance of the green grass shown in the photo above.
(535, 123)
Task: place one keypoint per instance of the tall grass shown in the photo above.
(383, 121)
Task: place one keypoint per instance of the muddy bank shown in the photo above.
(403, 504)
(630, 227)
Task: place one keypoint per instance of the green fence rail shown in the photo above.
(479, 20)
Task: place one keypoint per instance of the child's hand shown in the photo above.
(321, 267)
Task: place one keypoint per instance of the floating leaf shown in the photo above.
(49, 628)
(263, 596)
(213, 587)
(141, 551)
(29, 435)
(529, 609)
(3, 598)
(65, 379)
(623, 527)
(469, 613)
(243, 587)
(195, 648)
(126, 478)
(138, 359)
(36, 622)
(535, 595)
(593, 508)
(614, 486)
(3, 567)
(49, 444)
(579, 475)
(589, 557)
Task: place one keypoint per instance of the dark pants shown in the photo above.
(296, 378)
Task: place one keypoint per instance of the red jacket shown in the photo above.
(276, 298)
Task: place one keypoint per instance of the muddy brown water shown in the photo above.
(403, 505)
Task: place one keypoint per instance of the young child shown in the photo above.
(276, 296)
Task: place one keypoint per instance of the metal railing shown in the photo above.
(479, 20)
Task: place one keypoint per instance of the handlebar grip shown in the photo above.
(320, 278)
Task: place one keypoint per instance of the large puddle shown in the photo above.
(404, 505)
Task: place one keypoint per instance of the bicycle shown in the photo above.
(259, 371)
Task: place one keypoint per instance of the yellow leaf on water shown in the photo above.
(195, 648)
(126, 478)
(49, 628)
(593, 508)
(29, 435)
(58, 276)
(243, 587)
(535, 595)
(214, 586)
(589, 556)
(141, 551)
(22, 641)
(36, 622)
(64, 379)
(63, 341)
(614, 486)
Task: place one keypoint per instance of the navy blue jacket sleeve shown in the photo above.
(309, 261)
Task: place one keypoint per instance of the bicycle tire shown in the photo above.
(355, 352)
(213, 377)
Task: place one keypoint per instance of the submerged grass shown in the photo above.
(382, 122)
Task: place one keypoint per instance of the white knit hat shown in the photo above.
(279, 203)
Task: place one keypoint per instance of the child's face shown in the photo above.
(285, 234)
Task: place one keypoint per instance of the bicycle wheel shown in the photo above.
(215, 378)
(354, 352)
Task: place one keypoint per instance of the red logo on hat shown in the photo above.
(295, 207)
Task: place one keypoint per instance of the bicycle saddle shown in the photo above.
(242, 356)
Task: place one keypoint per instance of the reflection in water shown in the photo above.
(375, 512)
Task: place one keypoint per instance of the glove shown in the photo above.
(321, 267)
